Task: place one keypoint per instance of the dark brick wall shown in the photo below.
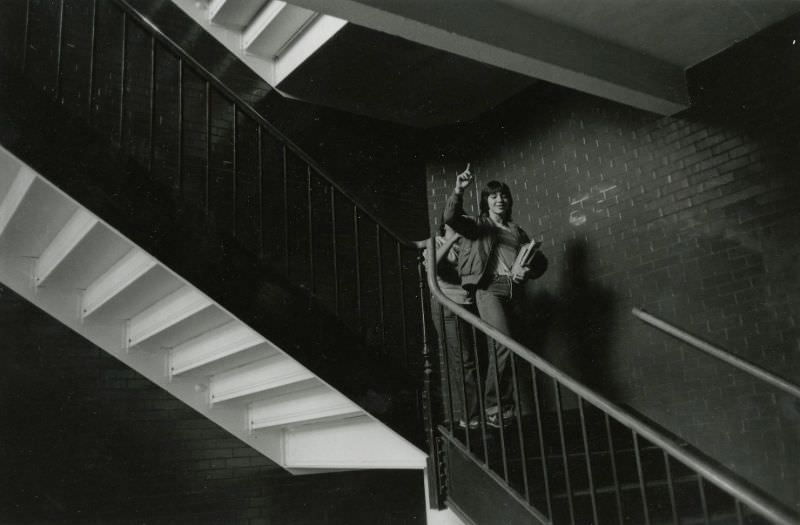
(693, 217)
(84, 439)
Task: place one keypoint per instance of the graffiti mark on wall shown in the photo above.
(590, 203)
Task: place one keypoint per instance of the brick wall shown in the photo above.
(694, 218)
(84, 439)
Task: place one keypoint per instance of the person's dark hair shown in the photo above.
(494, 186)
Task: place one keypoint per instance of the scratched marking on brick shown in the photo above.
(581, 205)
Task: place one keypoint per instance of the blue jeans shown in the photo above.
(495, 306)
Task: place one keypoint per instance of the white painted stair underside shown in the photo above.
(68, 262)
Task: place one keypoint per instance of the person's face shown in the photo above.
(498, 203)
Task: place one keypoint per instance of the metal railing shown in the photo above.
(572, 456)
(719, 353)
(194, 134)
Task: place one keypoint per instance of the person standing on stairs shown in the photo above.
(460, 390)
(488, 266)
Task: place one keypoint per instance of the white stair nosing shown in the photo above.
(73, 232)
(119, 277)
(341, 411)
(167, 312)
(217, 344)
(15, 195)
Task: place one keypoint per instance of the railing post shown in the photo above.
(435, 461)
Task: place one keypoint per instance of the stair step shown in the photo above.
(312, 405)
(235, 14)
(266, 374)
(165, 314)
(13, 198)
(119, 277)
(213, 346)
(75, 231)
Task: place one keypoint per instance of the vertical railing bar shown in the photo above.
(565, 459)
(500, 420)
(335, 252)
(542, 446)
(122, 81)
(403, 321)
(585, 434)
(207, 187)
(152, 117)
(463, 374)
(739, 513)
(481, 403)
(25, 34)
(260, 145)
(286, 208)
(613, 457)
(640, 472)
(235, 166)
(309, 204)
(703, 502)
(180, 126)
(59, 49)
(358, 269)
(670, 488)
(381, 310)
(520, 434)
(92, 36)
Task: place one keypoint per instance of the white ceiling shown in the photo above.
(681, 32)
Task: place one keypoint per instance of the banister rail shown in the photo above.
(743, 494)
(255, 115)
(714, 351)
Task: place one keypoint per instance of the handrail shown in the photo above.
(253, 113)
(766, 508)
(722, 355)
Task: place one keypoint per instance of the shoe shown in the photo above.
(493, 420)
(473, 423)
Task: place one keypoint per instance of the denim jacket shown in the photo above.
(478, 240)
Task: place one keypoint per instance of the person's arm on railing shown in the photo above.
(454, 215)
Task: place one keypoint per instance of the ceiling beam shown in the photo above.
(499, 35)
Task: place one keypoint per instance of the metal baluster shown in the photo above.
(260, 146)
(90, 95)
(501, 426)
(520, 434)
(670, 488)
(234, 166)
(542, 446)
(207, 189)
(613, 456)
(358, 270)
(312, 287)
(403, 323)
(703, 502)
(122, 80)
(584, 433)
(379, 257)
(180, 126)
(152, 117)
(58, 50)
(335, 253)
(564, 457)
(481, 403)
(739, 512)
(640, 472)
(286, 208)
(24, 58)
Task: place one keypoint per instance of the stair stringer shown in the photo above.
(61, 298)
